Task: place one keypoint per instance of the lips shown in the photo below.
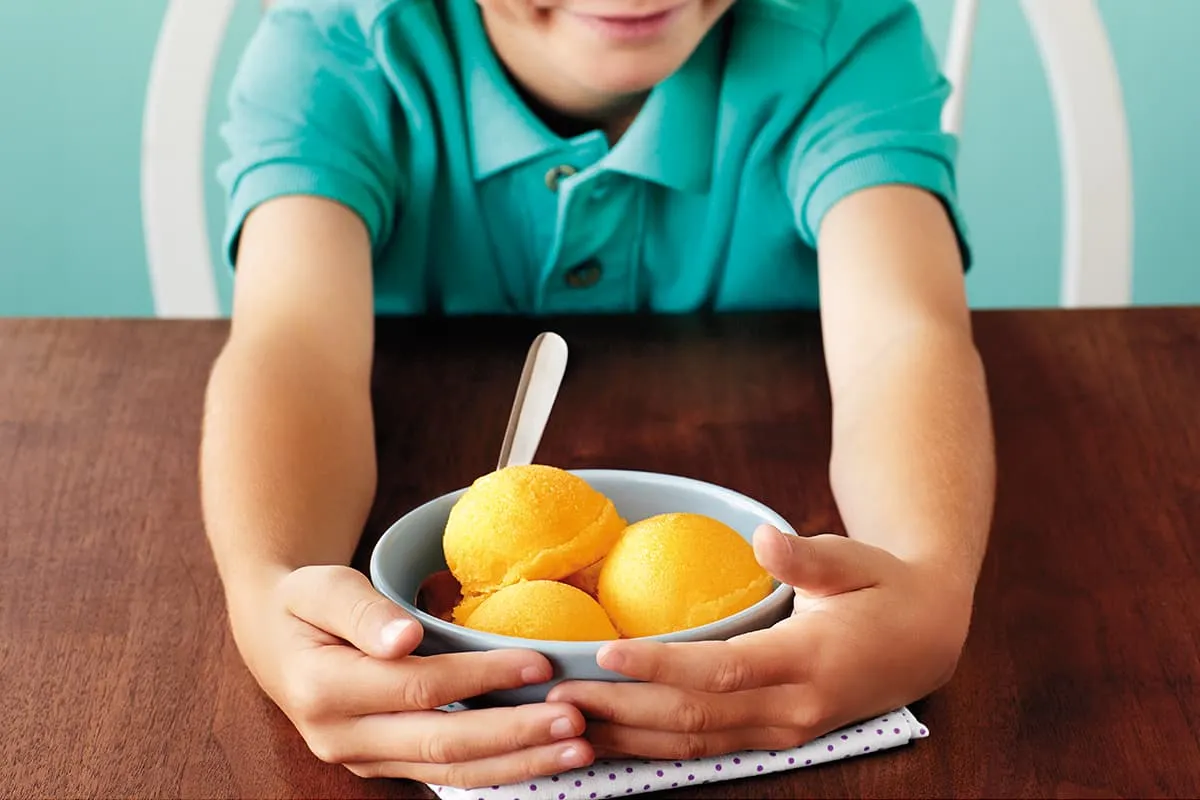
(631, 18)
(627, 27)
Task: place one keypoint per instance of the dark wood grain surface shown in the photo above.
(119, 679)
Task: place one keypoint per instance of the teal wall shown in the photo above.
(73, 78)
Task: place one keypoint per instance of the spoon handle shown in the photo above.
(536, 392)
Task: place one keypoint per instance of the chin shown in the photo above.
(624, 75)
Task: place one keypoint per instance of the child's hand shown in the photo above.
(334, 654)
(869, 634)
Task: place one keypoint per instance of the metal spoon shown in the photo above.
(536, 392)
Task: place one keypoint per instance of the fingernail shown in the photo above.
(570, 757)
(768, 536)
(534, 675)
(562, 728)
(610, 660)
(770, 532)
(393, 631)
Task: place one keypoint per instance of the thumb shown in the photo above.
(820, 565)
(341, 601)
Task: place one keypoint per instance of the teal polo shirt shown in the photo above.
(401, 111)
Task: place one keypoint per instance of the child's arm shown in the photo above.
(288, 456)
(912, 464)
(882, 615)
(288, 474)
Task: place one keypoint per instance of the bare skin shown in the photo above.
(881, 616)
(288, 473)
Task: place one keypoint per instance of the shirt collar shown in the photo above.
(670, 142)
(501, 129)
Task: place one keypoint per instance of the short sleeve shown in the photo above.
(876, 119)
(311, 112)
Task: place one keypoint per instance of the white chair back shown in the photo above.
(174, 221)
(1093, 136)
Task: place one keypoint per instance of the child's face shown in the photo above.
(604, 48)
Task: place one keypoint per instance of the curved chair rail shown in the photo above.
(173, 214)
(1093, 140)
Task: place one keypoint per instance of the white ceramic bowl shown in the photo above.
(411, 550)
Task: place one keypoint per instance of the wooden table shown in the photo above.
(1080, 677)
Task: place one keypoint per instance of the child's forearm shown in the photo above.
(287, 462)
(913, 464)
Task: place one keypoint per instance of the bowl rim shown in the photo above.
(561, 647)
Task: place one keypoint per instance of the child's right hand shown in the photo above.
(334, 654)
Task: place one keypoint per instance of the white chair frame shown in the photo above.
(174, 221)
(1093, 135)
(1074, 47)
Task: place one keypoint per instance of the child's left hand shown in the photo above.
(869, 633)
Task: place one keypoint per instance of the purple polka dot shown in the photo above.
(879, 731)
(791, 761)
(807, 761)
(858, 730)
(737, 761)
(678, 764)
(593, 794)
(673, 785)
(612, 776)
(718, 767)
(845, 737)
(554, 779)
(895, 730)
(629, 770)
(885, 719)
(629, 791)
(830, 748)
(772, 755)
(579, 783)
(646, 788)
(658, 773)
(922, 731)
(533, 787)
(591, 774)
(691, 777)
(865, 749)
(758, 768)
(562, 796)
(494, 788)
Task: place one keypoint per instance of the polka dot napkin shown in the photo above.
(609, 779)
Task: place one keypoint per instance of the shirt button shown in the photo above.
(556, 174)
(585, 275)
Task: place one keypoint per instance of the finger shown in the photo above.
(341, 601)
(761, 658)
(604, 754)
(343, 682)
(531, 764)
(440, 737)
(826, 564)
(668, 708)
(670, 746)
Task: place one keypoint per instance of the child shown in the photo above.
(533, 156)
